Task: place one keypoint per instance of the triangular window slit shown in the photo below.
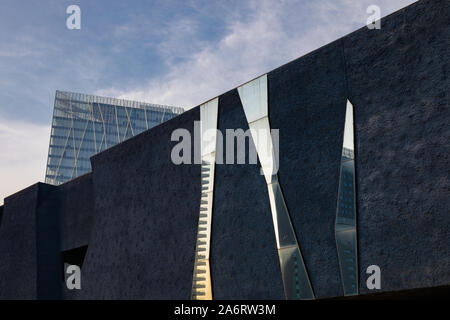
(345, 227)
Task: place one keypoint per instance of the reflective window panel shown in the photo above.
(295, 279)
(253, 95)
(345, 228)
(284, 229)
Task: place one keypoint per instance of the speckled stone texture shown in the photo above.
(146, 211)
(18, 246)
(30, 245)
(398, 82)
(243, 246)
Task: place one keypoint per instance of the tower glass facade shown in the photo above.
(84, 125)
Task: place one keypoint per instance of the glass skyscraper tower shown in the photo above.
(84, 125)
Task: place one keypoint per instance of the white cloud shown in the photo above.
(23, 155)
(275, 33)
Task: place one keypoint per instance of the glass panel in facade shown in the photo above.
(84, 125)
(345, 228)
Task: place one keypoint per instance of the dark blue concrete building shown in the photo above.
(132, 224)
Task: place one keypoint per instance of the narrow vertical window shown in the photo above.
(201, 284)
(345, 228)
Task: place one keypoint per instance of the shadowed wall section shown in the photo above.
(146, 212)
(30, 245)
(18, 246)
(1, 215)
(77, 212)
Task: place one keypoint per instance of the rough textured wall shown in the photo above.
(146, 211)
(243, 246)
(76, 212)
(398, 82)
(18, 265)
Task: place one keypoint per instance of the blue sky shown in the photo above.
(168, 52)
